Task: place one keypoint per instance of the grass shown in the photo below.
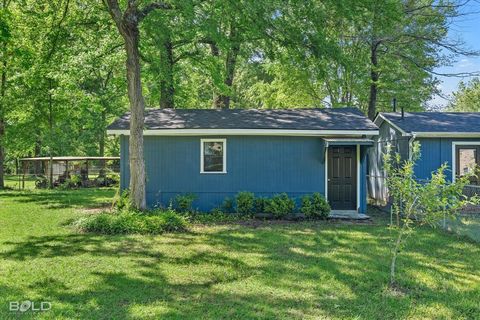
(467, 225)
(315, 270)
(12, 181)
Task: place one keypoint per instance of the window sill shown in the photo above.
(213, 172)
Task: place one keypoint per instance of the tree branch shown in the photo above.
(114, 10)
(151, 7)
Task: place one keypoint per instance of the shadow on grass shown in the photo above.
(278, 272)
(58, 199)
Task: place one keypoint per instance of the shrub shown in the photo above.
(184, 202)
(280, 205)
(122, 200)
(315, 206)
(245, 202)
(125, 222)
(227, 205)
(306, 206)
(260, 204)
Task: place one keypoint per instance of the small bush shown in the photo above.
(155, 222)
(315, 206)
(227, 205)
(184, 202)
(260, 204)
(122, 200)
(321, 208)
(306, 206)
(280, 205)
(245, 202)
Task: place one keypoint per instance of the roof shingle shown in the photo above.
(465, 122)
(291, 119)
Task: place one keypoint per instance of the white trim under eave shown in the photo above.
(403, 132)
(447, 134)
(454, 154)
(247, 132)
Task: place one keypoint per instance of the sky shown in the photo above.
(466, 28)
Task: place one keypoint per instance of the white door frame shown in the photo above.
(357, 178)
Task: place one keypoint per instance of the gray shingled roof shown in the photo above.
(465, 122)
(292, 119)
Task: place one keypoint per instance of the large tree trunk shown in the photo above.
(230, 63)
(167, 87)
(137, 105)
(217, 102)
(127, 24)
(374, 75)
(223, 100)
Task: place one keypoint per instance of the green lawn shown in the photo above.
(15, 182)
(297, 270)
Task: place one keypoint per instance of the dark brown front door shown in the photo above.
(342, 177)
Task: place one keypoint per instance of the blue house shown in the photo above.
(217, 153)
(445, 137)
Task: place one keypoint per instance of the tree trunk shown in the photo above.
(37, 152)
(393, 263)
(374, 75)
(130, 34)
(230, 63)
(127, 24)
(167, 87)
(101, 145)
(217, 103)
(50, 125)
(223, 100)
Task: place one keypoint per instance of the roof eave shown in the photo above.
(383, 118)
(447, 134)
(246, 132)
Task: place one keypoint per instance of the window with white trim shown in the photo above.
(213, 156)
(467, 159)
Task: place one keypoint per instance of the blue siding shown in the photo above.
(434, 153)
(263, 165)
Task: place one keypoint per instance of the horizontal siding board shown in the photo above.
(263, 165)
(434, 153)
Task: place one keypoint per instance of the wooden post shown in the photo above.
(17, 172)
(67, 175)
(51, 172)
(23, 177)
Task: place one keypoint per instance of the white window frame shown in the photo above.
(224, 141)
(454, 154)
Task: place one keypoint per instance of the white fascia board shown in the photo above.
(376, 121)
(247, 132)
(447, 134)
